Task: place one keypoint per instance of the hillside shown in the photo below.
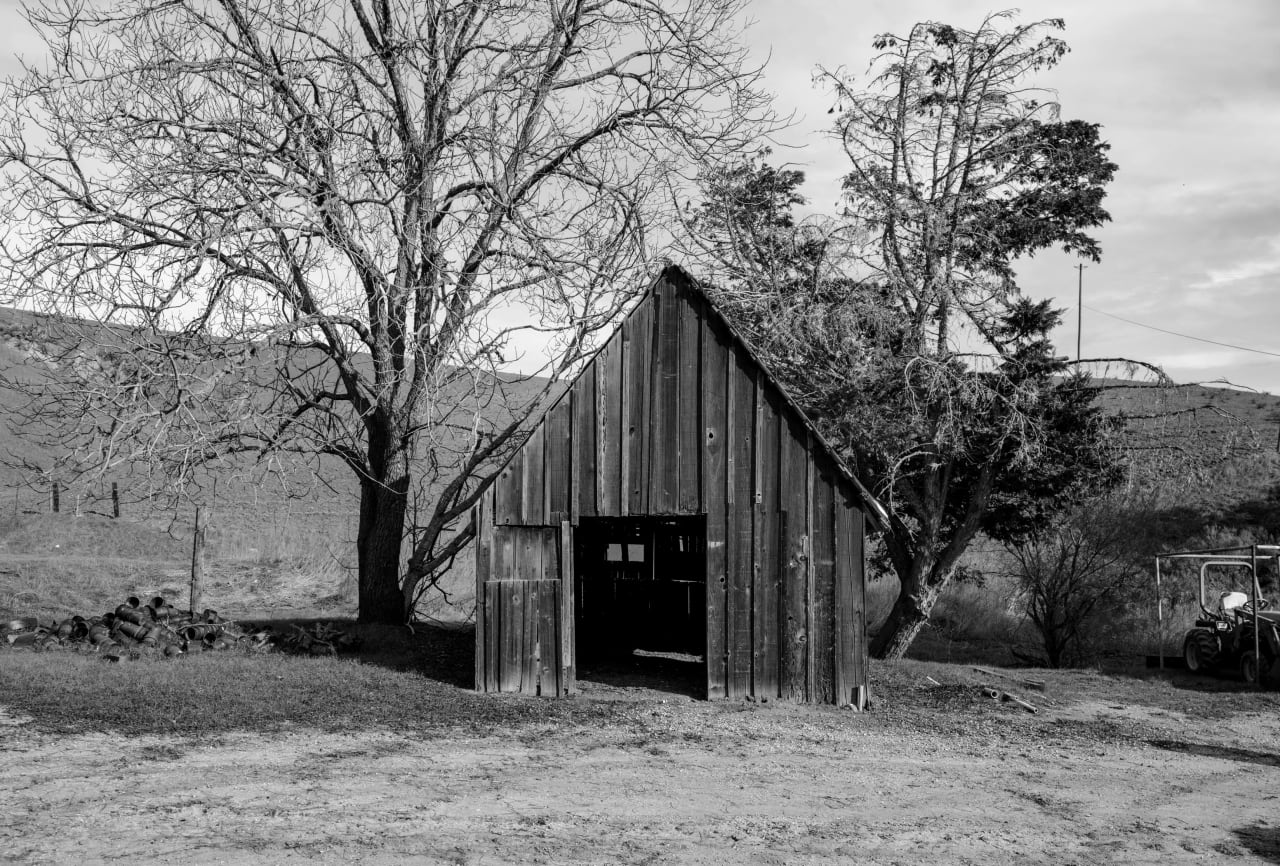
(1213, 448)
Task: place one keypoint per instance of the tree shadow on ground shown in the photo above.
(1225, 753)
(444, 652)
(1261, 841)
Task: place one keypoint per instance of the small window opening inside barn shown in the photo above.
(640, 600)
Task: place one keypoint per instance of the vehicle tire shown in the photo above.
(1249, 668)
(1200, 651)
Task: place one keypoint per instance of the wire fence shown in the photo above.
(115, 500)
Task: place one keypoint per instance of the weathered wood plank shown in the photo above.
(530, 662)
(512, 635)
(794, 624)
(715, 392)
(741, 472)
(610, 440)
(842, 624)
(636, 408)
(507, 492)
(766, 599)
(532, 494)
(558, 449)
(689, 405)
(550, 552)
(811, 474)
(529, 549)
(583, 469)
(664, 477)
(504, 562)
(823, 551)
(493, 636)
(548, 650)
(858, 614)
(568, 646)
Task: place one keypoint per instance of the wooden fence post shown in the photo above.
(115, 500)
(197, 564)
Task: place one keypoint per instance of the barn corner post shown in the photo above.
(479, 515)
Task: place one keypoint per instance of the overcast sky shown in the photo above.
(1188, 95)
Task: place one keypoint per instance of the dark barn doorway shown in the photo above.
(640, 601)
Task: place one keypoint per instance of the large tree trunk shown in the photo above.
(910, 612)
(383, 503)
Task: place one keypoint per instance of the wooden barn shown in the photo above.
(673, 500)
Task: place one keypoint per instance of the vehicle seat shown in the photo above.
(1230, 601)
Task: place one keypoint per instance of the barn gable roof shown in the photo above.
(684, 283)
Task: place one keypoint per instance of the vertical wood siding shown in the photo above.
(674, 417)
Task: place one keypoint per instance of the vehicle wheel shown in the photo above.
(1249, 668)
(1200, 651)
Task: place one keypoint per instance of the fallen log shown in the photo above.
(1006, 697)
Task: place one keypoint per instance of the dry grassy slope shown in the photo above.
(291, 530)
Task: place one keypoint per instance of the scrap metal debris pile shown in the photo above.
(133, 630)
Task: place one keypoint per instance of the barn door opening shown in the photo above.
(640, 609)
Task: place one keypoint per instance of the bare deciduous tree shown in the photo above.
(327, 228)
(1070, 571)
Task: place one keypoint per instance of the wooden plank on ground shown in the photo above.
(823, 548)
(766, 600)
(583, 469)
(794, 624)
(689, 405)
(741, 472)
(715, 391)
(663, 474)
(558, 449)
(533, 496)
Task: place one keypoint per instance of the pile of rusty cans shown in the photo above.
(134, 628)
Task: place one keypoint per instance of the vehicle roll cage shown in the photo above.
(1244, 556)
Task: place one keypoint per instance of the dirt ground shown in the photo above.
(677, 781)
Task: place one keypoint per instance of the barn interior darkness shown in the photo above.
(640, 597)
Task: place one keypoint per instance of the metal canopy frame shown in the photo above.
(1242, 556)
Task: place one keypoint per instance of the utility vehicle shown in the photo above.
(1239, 633)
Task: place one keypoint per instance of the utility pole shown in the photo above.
(1079, 309)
